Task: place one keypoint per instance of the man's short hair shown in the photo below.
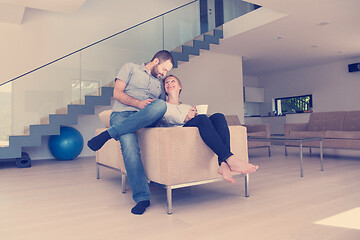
(163, 56)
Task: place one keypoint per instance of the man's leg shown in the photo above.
(137, 120)
(135, 172)
(141, 119)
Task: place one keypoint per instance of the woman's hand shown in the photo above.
(191, 114)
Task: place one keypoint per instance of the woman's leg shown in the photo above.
(219, 122)
(210, 136)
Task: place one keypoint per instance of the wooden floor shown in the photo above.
(63, 200)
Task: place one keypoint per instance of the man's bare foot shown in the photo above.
(237, 165)
(225, 171)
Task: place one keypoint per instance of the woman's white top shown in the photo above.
(175, 115)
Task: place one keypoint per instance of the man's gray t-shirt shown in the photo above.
(139, 84)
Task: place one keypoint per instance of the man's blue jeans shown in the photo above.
(123, 128)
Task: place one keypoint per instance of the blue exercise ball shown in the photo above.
(66, 146)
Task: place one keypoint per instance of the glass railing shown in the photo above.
(31, 97)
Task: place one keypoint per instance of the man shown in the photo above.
(139, 103)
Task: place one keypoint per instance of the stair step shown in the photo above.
(189, 43)
(190, 50)
(211, 39)
(4, 144)
(62, 110)
(25, 141)
(180, 56)
(201, 45)
(97, 100)
(200, 38)
(63, 119)
(45, 120)
(178, 49)
(10, 152)
(41, 130)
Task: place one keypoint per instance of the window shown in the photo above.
(82, 88)
(297, 104)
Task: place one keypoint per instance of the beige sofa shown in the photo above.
(259, 130)
(173, 157)
(337, 129)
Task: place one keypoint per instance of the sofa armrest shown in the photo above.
(258, 128)
(178, 155)
(288, 127)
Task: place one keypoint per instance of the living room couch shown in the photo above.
(259, 130)
(173, 157)
(339, 130)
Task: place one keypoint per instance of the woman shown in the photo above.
(213, 130)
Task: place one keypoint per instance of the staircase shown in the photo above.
(55, 121)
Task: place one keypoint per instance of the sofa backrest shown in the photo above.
(323, 121)
(352, 121)
(232, 120)
(105, 117)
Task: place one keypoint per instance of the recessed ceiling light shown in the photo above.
(324, 24)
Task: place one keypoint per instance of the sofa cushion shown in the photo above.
(307, 134)
(105, 117)
(257, 134)
(352, 121)
(323, 121)
(343, 134)
(341, 143)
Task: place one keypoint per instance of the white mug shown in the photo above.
(201, 109)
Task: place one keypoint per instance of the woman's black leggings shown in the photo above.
(214, 131)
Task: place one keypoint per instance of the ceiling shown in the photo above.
(12, 11)
(312, 32)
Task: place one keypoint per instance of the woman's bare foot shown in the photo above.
(237, 165)
(225, 171)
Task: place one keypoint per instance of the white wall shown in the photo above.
(214, 79)
(251, 108)
(332, 86)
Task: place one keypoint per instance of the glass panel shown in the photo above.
(5, 116)
(49, 90)
(101, 62)
(236, 8)
(43, 92)
(181, 26)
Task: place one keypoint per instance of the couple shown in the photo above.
(140, 102)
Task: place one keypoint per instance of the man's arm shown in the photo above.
(122, 97)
